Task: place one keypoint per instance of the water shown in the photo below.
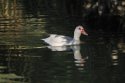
(24, 58)
(92, 62)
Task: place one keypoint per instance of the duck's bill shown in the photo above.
(84, 33)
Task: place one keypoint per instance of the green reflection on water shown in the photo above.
(36, 65)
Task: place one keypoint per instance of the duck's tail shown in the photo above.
(43, 39)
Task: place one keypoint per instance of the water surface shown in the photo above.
(95, 61)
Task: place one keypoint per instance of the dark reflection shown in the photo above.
(79, 61)
(24, 22)
(100, 62)
(9, 64)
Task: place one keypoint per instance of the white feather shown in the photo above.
(60, 40)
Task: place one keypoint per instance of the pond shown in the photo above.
(100, 59)
(25, 58)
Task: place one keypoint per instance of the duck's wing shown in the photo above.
(61, 38)
(57, 40)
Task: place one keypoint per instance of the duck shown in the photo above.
(62, 40)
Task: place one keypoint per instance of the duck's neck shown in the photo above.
(76, 39)
(77, 36)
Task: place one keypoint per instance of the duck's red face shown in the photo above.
(82, 30)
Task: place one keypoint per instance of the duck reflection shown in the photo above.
(78, 59)
(60, 48)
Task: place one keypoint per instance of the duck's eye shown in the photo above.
(79, 28)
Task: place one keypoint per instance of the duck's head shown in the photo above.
(81, 30)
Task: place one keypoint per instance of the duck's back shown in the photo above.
(58, 40)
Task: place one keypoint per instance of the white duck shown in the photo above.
(60, 40)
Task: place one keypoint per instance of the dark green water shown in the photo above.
(24, 58)
(98, 60)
